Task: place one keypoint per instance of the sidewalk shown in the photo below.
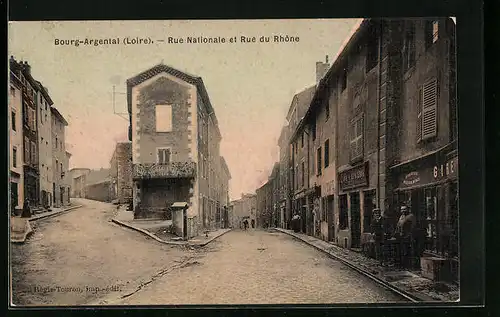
(158, 230)
(20, 228)
(409, 284)
(55, 211)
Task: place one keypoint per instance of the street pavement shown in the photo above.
(260, 267)
(82, 258)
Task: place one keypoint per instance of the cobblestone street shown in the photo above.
(259, 267)
(72, 255)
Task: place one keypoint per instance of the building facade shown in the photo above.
(175, 145)
(381, 132)
(121, 172)
(15, 124)
(22, 70)
(45, 164)
(59, 159)
(284, 199)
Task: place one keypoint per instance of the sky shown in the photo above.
(251, 85)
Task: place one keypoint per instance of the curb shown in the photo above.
(410, 296)
(25, 236)
(55, 214)
(155, 237)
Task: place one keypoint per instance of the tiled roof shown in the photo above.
(189, 78)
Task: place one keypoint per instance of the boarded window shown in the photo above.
(164, 156)
(356, 143)
(429, 109)
(163, 118)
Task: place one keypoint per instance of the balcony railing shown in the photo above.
(168, 170)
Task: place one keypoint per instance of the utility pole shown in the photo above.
(120, 114)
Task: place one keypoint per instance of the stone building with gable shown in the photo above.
(175, 146)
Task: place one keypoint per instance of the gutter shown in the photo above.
(378, 111)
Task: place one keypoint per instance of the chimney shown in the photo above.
(321, 69)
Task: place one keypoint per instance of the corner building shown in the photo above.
(175, 145)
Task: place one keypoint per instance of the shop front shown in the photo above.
(428, 186)
(353, 188)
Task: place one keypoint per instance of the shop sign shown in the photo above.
(411, 179)
(354, 177)
(446, 170)
(430, 174)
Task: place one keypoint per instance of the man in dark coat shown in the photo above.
(378, 233)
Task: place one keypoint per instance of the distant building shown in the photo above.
(175, 146)
(121, 172)
(243, 209)
(78, 181)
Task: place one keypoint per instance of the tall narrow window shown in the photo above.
(343, 79)
(431, 33)
(327, 110)
(318, 157)
(13, 120)
(163, 118)
(163, 155)
(302, 139)
(313, 128)
(56, 142)
(327, 153)
(33, 153)
(409, 47)
(356, 143)
(26, 150)
(14, 156)
(303, 174)
(371, 50)
(33, 119)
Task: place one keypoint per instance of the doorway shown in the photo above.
(331, 217)
(184, 224)
(14, 202)
(355, 220)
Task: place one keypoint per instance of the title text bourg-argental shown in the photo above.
(177, 40)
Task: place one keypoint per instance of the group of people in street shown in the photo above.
(404, 245)
(246, 224)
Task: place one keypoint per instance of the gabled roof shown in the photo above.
(189, 78)
(301, 101)
(44, 92)
(58, 115)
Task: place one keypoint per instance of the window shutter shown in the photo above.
(419, 115)
(359, 151)
(429, 110)
(352, 148)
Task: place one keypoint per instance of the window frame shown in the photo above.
(409, 47)
(319, 163)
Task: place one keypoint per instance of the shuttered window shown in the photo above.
(356, 144)
(427, 116)
(164, 156)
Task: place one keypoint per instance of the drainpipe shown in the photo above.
(378, 113)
